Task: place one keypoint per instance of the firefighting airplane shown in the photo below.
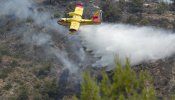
(76, 19)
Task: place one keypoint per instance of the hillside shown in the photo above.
(40, 61)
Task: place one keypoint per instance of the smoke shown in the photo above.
(45, 41)
(139, 44)
(166, 1)
(19, 8)
(31, 33)
(29, 9)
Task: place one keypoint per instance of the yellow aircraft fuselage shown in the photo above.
(76, 19)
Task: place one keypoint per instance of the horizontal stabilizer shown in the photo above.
(78, 10)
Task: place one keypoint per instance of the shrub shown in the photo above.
(49, 89)
(7, 86)
(14, 63)
(133, 19)
(43, 71)
(4, 72)
(1, 58)
(136, 6)
(144, 21)
(23, 95)
(161, 8)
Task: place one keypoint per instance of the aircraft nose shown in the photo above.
(60, 20)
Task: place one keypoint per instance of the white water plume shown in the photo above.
(139, 44)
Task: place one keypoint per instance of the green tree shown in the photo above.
(89, 88)
(125, 84)
(162, 8)
(136, 6)
(105, 87)
(112, 12)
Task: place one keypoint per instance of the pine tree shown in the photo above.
(105, 87)
(137, 5)
(89, 88)
(125, 84)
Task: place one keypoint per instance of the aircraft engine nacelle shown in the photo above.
(97, 17)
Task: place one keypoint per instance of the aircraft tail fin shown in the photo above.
(97, 16)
